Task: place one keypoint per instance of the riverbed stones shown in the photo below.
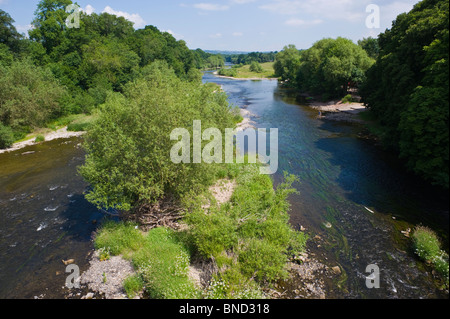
(116, 270)
(336, 270)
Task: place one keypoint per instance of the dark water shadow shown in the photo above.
(377, 179)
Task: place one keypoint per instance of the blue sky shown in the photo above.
(242, 25)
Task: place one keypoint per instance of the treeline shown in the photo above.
(407, 89)
(205, 60)
(402, 76)
(245, 59)
(60, 70)
(329, 68)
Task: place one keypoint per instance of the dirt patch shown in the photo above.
(338, 111)
(106, 278)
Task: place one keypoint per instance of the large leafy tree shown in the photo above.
(8, 33)
(29, 95)
(287, 63)
(128, 161)
(407, 89)
(331, 65)
(50, 23)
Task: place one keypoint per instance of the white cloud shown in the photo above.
(89, 9)
(133, 17)
(242, 1)
(175, 35)
(211, 7)
(300, 22)
(238, 34)
(216, 36)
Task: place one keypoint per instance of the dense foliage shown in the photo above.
(408, 89)
(328, 68)
(129, 145)
(64, 71)
(244, 59)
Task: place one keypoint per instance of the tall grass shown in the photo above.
(427, 246)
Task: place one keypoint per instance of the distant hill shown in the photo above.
(226, 52)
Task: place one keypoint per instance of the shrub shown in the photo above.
(347, 99)
(39, 139)
(29, 95)
(163, 264)
(426, 243)
(256, 67)
(229, 72)
(6, 136)
(133, 285)
(427, 246)
(128, 146)
(263, 260)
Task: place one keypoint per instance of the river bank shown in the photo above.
(243, 79)
(339, 112)
(62, 133)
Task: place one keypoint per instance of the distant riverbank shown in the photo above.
(338, 111)
(49, 136)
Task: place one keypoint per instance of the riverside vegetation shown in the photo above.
(248, 241)
(402, 77)
(59, 72)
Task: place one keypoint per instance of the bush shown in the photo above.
(29, 95)
(163, 264)
(263, 260)
(347, 99)
(249, 238)
(427, 246)
(6, 136)
(229, 72)
(128, 146)
(133, 285)
(256, 67)
(39, 139)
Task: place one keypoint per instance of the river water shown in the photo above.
(45, 219)
(340, 176)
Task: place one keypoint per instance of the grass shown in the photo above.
(40, 138)
(245, 73)
(427, 246)
(249, 240)
(160, 258)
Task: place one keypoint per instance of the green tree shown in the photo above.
(407, 89)
(331, 65)
(256, 67)
(50, 23)
(287, 63)
(371, 46)
(128, 147)
(29, 95)
(8, 33)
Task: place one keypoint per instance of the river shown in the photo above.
(44, 217)
(340, 176)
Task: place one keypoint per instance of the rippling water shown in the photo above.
(44, 218)
(350, 184)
